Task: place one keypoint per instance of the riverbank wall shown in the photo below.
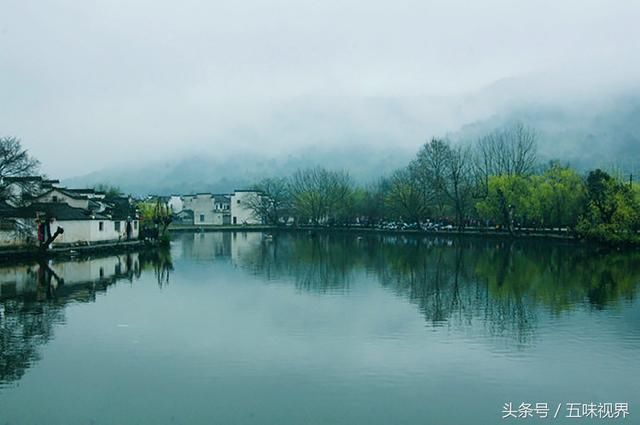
(35, 253)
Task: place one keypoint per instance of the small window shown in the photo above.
(238, 201)
(54, 198)
(135, 224)
(116, 226)
(101, 226)
(201, 218)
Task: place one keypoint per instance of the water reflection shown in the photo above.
(33, 297)
(503, 284)
(502, 288)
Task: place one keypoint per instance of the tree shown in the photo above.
(155, 218)
(612, 213)
(109, 191)
(321, 196)
(458, 182)
(369, 203)
(507, 200)
(557, 197)
(508, 151)
(406, 198)
(430, 172)
(15, 161)
(272, 201)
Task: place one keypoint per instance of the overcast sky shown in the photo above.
(87, 84)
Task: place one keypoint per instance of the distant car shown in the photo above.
(447, 227)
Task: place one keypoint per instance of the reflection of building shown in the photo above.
(66, 276)
(214, 245)
(33, 299)
(205, 246)
(243, 243)
(214, 209)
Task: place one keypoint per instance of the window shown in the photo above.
(54, 198)
(135, 224)
(238, 201)
(201, 218)
(116, 226)
(101, 226)
(235, 220)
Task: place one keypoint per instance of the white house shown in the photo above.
(115, 220)
(57, 195)
(241, 212)
(202, 205)
(175, 204)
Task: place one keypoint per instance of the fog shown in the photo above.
(96, 84)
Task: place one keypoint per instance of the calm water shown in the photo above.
(242, 329)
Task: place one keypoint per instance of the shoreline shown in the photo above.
(34, 253)
(550, 235)
(528, 234)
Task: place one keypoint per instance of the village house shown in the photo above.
(214, 209)
(241, 211)
(83, 215)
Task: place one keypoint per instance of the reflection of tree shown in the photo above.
(317, 263)
(160, 260)
(502, 284)
(28, 313)
(23, 327)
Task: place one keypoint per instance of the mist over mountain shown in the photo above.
(224, 173)
(580, 123)
(585, 126)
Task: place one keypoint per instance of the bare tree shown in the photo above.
(458, 183)
(15, 161)
(430, 172)
(507, 151)
(272, 202)
(319, 195)
(406, 197)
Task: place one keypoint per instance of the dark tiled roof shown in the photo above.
(121, 208)
(80, 190)
(7, 210)
(22, 179)
(58, 210)
(64, 192)
(222, 198)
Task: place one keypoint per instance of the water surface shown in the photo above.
(239, 328)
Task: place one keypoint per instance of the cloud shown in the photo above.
(85, 84)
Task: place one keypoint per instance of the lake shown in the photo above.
(298, 328)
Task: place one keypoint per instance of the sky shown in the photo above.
(90, 84)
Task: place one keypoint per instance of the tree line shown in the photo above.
(497, 182)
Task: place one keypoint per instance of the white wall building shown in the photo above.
(176, 204)
(241, 213)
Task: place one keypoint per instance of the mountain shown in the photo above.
(223, 174)
(589, 132)
(585, 124)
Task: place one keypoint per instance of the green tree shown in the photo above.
(110, 191)
(557, 197)
(612, 213)
(507, 201)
